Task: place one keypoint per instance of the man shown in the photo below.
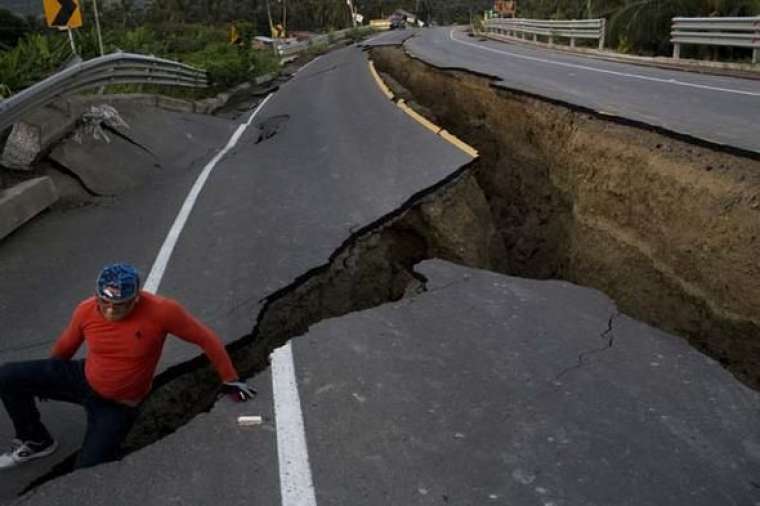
(125, 330)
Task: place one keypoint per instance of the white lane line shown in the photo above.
(165, 253)
(309, 63)
(296, 485)
(674, 82)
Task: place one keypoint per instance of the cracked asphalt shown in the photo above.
(482, 389)
(720, 110)
(456, 396)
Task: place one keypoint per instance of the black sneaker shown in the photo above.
(24, 451)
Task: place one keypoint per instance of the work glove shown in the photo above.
(238, 391)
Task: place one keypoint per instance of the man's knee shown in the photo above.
(15, 375)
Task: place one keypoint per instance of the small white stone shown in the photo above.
(422, 491)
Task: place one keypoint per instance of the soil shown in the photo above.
(667, 227)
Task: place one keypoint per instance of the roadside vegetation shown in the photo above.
(643, 26)
(197, 31)
(38, 54)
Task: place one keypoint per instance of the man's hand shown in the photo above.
(238, 391)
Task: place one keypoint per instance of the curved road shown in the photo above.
(721, 110)
(484, 389)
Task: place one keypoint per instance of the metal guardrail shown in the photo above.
(734, 32)
(117, 68)
(569, 28)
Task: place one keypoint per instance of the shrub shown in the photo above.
(37, 56)
(226, 65)
(34, 58)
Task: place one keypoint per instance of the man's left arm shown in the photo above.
(182, 324)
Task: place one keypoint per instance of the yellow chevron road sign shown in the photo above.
(63, 13)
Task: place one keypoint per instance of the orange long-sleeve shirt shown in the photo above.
(122, 356)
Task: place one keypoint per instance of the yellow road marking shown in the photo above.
(458, 143)
(452, 139)
(380, 83)
(418, 117)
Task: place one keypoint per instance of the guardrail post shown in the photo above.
(572, 41)
(551, 40)
(756, 55)
(603, 34)
(676, 51)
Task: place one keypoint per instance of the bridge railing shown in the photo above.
(569, 28)
(733, 32)
(117, 68)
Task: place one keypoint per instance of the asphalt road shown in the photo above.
(483, 390)
(326, 156)
(722, 110)
(50, 264)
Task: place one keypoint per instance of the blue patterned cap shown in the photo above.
(118, 282)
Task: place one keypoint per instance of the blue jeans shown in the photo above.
(108, 422)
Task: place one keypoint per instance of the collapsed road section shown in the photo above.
(364, 247)
(666, 226)
(284, 202)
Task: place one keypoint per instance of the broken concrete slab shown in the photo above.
(39, 129)
(106, 168)
(22, 202)
(42, 127)
(490, 389)
(153, 138)
(22, 146)
(482, 389)
(174, 138)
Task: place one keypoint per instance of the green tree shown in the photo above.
(12, 28)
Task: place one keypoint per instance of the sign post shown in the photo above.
(97, 26)
(71, 40)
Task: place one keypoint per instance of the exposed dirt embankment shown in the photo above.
(666, 227)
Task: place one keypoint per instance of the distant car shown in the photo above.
(398, 23)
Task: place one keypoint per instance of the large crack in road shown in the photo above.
(664, 225)
(554, 195)
(373, 266)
